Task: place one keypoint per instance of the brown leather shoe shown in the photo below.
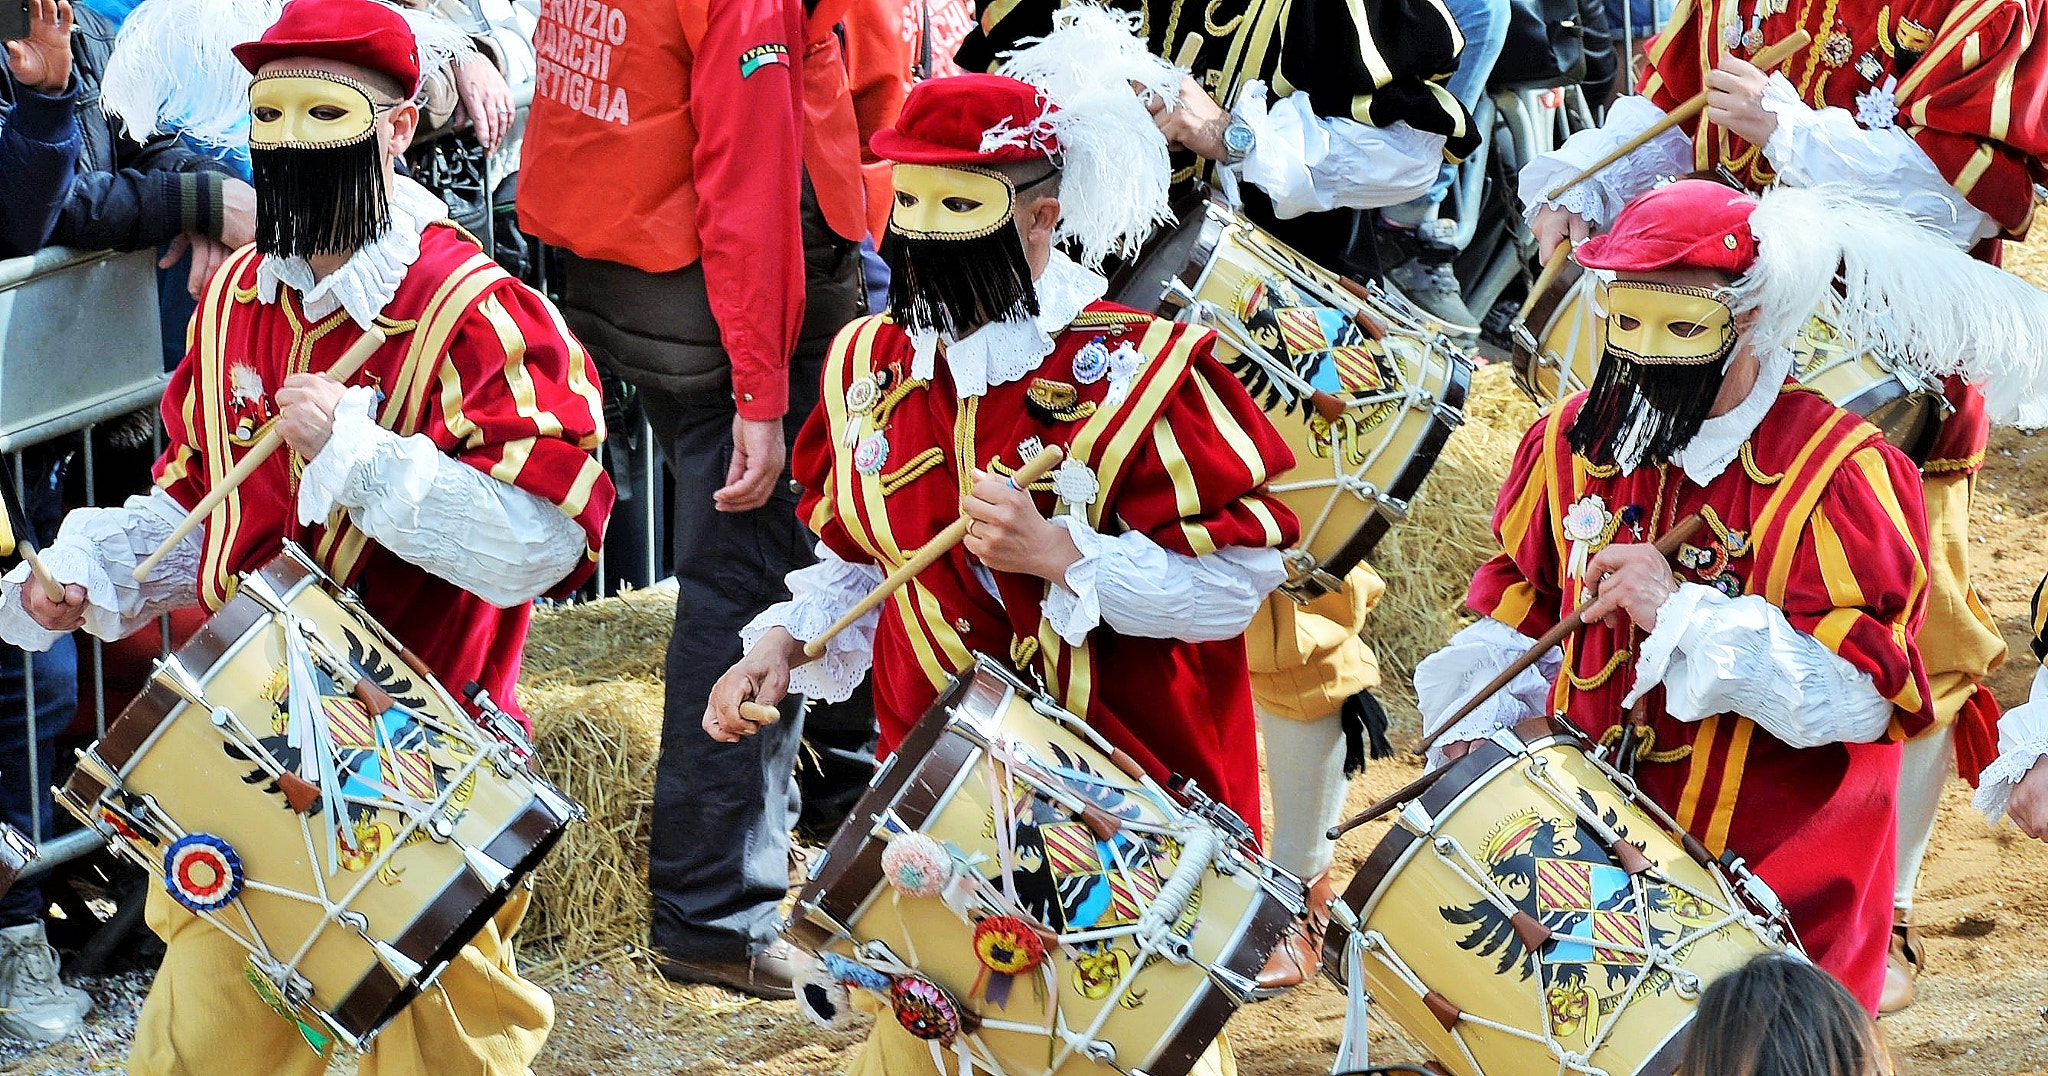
(1904, 965)
(770, 974)
(1300, 954)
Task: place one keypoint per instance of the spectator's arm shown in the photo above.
(38, 160)
(747, 100)
(132, 209)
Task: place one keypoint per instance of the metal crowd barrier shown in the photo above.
(80, 344)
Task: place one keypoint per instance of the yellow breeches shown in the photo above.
(1306, 660)
(202, 1018)
(1959, 642)
(892, 1051)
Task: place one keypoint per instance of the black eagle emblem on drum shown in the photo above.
(1602, 920)
(1323, 346)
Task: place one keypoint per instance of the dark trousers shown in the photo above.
(24, 788)
(719, 860)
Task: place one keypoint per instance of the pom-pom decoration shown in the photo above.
(925, 1009)
(1007, 947)
(917, 865)
(855, 974)
(823, 999)
(203, 872)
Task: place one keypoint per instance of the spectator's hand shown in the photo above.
(485, 97)
(1553, 225)
(1735, 100)
(238, 214)
(1196, 122)
(1007, 533)
(207, 256)
(762, 676)
(2028, 807)
(305, 412)
(70, 615)
(42, 60)
(1632, 580)
(758, 454)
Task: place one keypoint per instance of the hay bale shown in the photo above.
(618, 638)
(598, 743)
(1428, 559)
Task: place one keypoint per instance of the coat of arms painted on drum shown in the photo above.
(1603, 921)
(1073, 878)
(380, 767)
(1326, 350)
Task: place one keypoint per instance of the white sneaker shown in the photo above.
(34, 1003)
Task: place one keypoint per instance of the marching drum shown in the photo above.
(1530, 911)
(1020, 895)
(1903, 405)
(299, 779)
(1360, 381)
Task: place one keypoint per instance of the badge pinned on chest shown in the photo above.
(248, 403)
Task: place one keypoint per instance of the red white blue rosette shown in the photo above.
(203, 872)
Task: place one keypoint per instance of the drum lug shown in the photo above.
(490, 872)
(405, 968)
(172, 673)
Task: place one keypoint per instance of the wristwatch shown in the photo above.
(1238, 140)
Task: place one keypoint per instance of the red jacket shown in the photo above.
(668, 134)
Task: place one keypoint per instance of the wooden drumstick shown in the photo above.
(1190, 47)
(12, 513)
(265, 446)
(1764, 61)
(1545, 279)
(1033, 470)
(1667, 545)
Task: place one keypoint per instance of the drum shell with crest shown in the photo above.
(941, 782)
(1531, 820)
(1561, 358)
(406, 897)
(1363, 385)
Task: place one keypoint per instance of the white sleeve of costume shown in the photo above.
(1601, 196)
(1815, 146)
(1309, 164)
(2022, 741)
(98, 549)
(1138, 588)
(491, 538)
(819, 595)
(1715, 654)
(1446, 679)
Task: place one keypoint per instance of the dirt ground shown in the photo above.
(1982, 904)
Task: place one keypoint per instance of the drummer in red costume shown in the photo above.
(452, 482)
(1776, 676)
(1940, 105)
(1130, 599)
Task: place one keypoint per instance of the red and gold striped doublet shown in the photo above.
(1181, 457)
(1823, 520)
(475, 360)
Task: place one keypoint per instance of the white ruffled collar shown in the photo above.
(1003, 351)
(1721, 437)
(371, 276)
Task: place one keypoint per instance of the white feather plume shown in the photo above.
(1113, 159)
(1905, 293)
(171, 68)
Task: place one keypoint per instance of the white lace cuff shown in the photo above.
(1817, 146)
(1715, 654)
(1309, 164)
(98, 549)
(819, 595)
(2022, 742)
(491, 538)
(1139, 588)
(1602, 196)
(1446, 679)
(354, 437)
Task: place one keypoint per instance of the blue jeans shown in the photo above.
(24, 790)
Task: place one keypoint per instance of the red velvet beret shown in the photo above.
(361, 32)
(1690, 224)
(945, 121)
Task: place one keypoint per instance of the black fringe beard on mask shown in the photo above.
(329, 200)
(956, 286)
(1660, 406)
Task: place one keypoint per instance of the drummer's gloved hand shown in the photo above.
(1446, 679)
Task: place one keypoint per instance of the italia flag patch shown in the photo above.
(761, 56)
